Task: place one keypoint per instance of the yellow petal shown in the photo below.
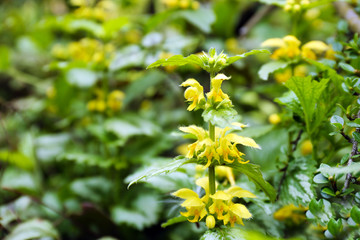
(291, 40)
(242, 140)
(190, 82)
(240, 210)
(273, 42)
(221, 76)
(185, 193)
(221, 195)
(316, 45)
(204, 183)
(240, 125)
(193, 202)
(236, 191)
(195, 130)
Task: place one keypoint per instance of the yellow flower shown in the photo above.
(222, 203)
(288, 47)
(227, 172)
(216, 94)
(306, 147)
(296, 214)
(223, 149)
(310, 49)
(274, 119)
(115, 99)
(210, 221)
(194, 93)
(196, 207)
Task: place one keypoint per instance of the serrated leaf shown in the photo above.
(271, 67)
(178, 60)
(221, 117)
(254, 174)
(33, 229)
(308, 93)
(174, 220)
(170, 167)
(290, 100)
(355, 214)
(297, 186)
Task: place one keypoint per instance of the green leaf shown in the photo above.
(347, 67)
(316, 206)
(5, 57)
(335, 227)
(234, 233)
(297, 186)
(178, 60)
(352, 124)
(308, 93)
(81, 77)
(326, 170)
(254, 174)
(290, 100)
(233, 59)
(174, 220)
(170, 167)
(320, 179)
(33, 229)
(88, 159)
(202, 18)
(271, 67)
(16, 158)
(356, 136)
(221, 117)
(92, 188)
(337, 121)
(328, 191)
(355, 214)
(344, 159)
(129, 56)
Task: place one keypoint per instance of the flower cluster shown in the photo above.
(218, 206)
(221, 151)
(86, 50)
(289, 48)
(295, 5)
(181, 4)
(114, 101)
(97, 10)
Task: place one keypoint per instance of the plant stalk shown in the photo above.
(212, 168)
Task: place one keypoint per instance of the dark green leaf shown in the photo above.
(344, 159)
(347, 67)
(202, 18)
(328, 191)
(335, 227)
(356, 136)
(254, 174)
(355, 214)
(316, 206)
(174, 220)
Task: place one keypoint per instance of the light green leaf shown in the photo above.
(178, 60)
(174, 220)
(88, 159)
(221, 117)
(16, 158)
(297, 186)
(233, 59)
(81, 77)
(33, 229)
(202, 18)
(19, 180)
(335, 226)
(337, 121)
(129, 56)
(326, 170)
(347, 67)
(170, 167)
(352, 124)
(355, 214)
(290, 100)
(271, 67)
(254, 174)
(92, 188)
(234, 233)
(5, 57)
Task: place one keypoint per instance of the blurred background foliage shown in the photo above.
(80, 116)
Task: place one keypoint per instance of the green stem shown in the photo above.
(212, 168)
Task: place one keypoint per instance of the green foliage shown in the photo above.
(271, 67)
(33, 229)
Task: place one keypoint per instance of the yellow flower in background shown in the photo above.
(181, 4)
(194, 93)
(295, 5)
(96, 105)
(283, 75)
(115, 100)
(196, 207)
(291, 212)
(223, 149)
(306, 147)
(312, 48)
(287, 47)
(226, 172)
(216, 94)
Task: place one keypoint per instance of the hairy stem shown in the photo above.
(212, 168)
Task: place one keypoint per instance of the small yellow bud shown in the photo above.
(306, 147)
(195, 5)
(184, 4)
(297, 7)
(274, 119)
(287, 7)
(210, 221)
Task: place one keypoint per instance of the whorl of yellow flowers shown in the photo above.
(214, 206)
(114, 102)
(289, 48)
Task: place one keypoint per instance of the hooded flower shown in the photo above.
(216, 94)
(194, 93)
(287, 47)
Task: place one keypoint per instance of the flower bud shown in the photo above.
(274, 119)
(211, 61)
(222, 61)
(210, 221)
